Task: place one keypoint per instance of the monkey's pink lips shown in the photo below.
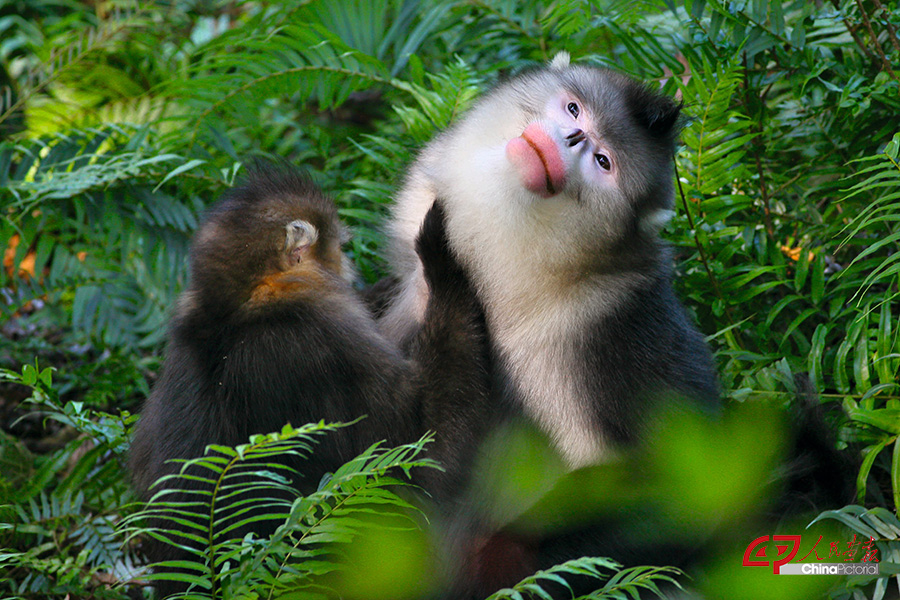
(536, 157)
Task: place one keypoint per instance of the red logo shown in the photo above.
(785, 552)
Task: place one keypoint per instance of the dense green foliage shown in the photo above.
(120, 122)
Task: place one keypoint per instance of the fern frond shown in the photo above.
(61, 59)
(100, 539)
(716, 135)
(67, 165)
(882, 212)
(624, 583)
(389, 30)
(233, 488)
(357, 503)
(878, 524)
(446, 97)
(66, 181)
(123, 296)
(48, 115)
(302, 61)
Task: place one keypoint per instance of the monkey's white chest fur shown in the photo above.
(539, 305)
(539, 332)
(539, 359)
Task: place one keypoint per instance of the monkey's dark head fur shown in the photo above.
(276, 225)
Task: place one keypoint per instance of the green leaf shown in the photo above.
(801, 270)
(818, 279)
(870, 453)
(895, 476)
(886, 419)
(814, 362)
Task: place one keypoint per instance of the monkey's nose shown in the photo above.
(575, 137)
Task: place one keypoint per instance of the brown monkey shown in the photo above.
(270, 332)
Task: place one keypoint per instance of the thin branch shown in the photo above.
(852, 30)
(701, 251)
(758, 150)
(892, 35)
(884, 60)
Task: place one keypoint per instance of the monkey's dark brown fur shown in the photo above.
(262, 338)
(269, 332)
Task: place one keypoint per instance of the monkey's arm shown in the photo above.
(377, 296)
(451, 349)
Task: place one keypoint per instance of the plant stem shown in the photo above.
(701, 251)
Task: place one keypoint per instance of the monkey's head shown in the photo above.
(576, 155)
(267, 239)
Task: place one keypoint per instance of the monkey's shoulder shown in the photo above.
(650, 343)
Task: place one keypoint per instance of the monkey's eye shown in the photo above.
(573, 109)
(603, 161)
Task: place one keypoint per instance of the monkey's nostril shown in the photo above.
(575, 137)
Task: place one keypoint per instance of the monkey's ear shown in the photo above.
(560, 61)
(659, 114)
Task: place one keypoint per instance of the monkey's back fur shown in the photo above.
(295, 363)
(268, 333)
(252, 347)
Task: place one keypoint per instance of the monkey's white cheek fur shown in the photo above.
(536, 158)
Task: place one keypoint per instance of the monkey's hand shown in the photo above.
(446, 279)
